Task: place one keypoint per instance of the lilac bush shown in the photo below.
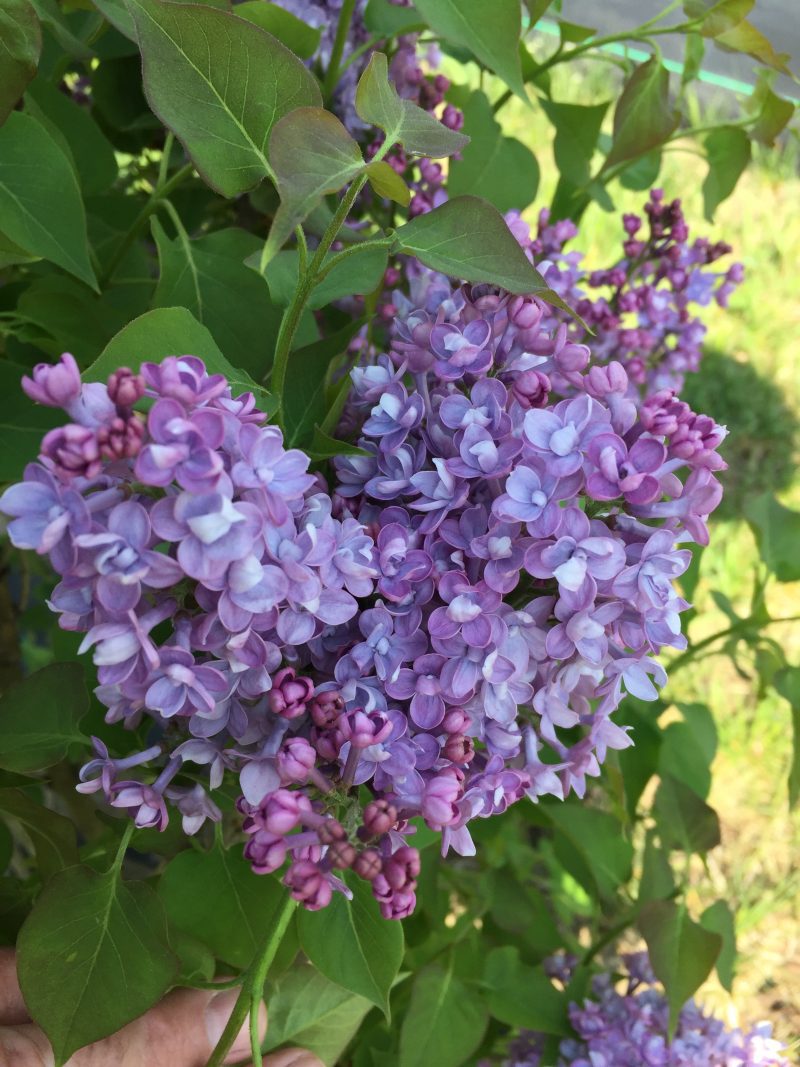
(624, 1023)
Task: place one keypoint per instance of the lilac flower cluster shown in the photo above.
(642, 312)
(452, 628)
(628, 1028)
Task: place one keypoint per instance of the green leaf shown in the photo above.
(379, 104)
(642, 173)
(493, 37)
(573, 33)
(171, 332)
(523, 996)
(639, 763)
(308, 1011)
(773, 115)
(235, 908)
(445, 1021)
(51, 16)
(468, 238)
(297, 35)
(388, 20)
(681, 952)
(498, 168)
(684, 819)
(787, 682)
(22, 424)
(323, 446)
(304, 397)
(777, 532)
(220, 84)
(644, 116)
(718, 15)
(41, 208)
(595, 836)
(693, 56)
(208, 276)
(386, 182)
(39, 717)
(656, 882)
(196, 961)
(745, 37)
(52, 836)
(577, 128)
(728, 153)
(91, 152)
(718, 918)
(20, 45)
(352, 945)
(312, 154)
(92, 956)
(688, 748)
(358, 274)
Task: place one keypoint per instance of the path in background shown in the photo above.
(779, 20)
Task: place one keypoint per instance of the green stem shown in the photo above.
(163, 167)
(739, 627)
(253, 989)
(342, 27)
(351, 250)
(122, 848)
(139, 222)
(305, 284)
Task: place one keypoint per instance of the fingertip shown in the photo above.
(293, 1057)
(218, 1012)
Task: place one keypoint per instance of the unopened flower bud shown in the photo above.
(125, 388)
(459, 749)
(326, 708)
(308, 885)
(342, 854)
(531, 389)
(72, 451)
(289, 694)
(362, 728)
(295, 760)
(55, 385)
(402, 868)
(455, 721)
(283, 809)
(367, 864)
(121, 438)
(330, 831)
(379, 817)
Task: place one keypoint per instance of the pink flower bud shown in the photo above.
(295, 760)
(283, 810)
(266, 852)
(379, 817)
(342, 854)
(326, 708)
(363, 729)
(121, 438)
(72, 451)
(402, 868)
(459, 749)
(308, 885)
(289, 694)
(531, 389)
(125, 388)
(330, 831)
(455, 721)
(525, 312)
(367, 864)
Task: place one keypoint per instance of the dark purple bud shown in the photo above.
(342, 854)
(379, 817)
(327, 743)
(330, 831)
(459, 749)
(266, 852)
(399, 905)
(326, 708)
(122, 438)
(367, 864)
(125, 388)
(452, 118)
(289, 694)
(308, 885)
(402, 868)
(73, 451)
(531, 388)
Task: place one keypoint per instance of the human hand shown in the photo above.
(180, 1031)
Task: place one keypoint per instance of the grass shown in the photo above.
(750, 382)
